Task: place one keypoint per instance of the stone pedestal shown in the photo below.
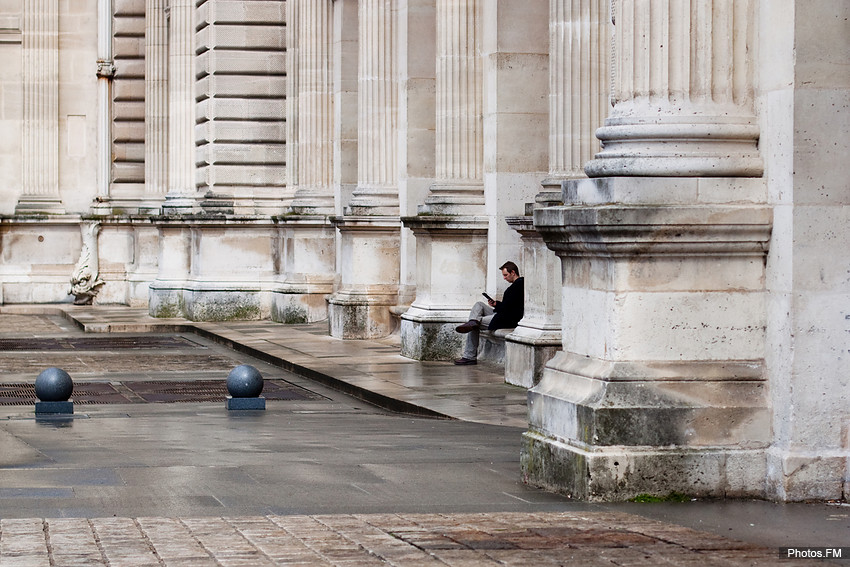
(537, 337)
(451, 268)
(360, 309)
(213, 269)
(307, 247)
(661, 385)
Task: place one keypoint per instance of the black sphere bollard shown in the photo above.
(53, 387)
(244, 384)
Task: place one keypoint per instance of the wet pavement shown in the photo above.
(374, 459)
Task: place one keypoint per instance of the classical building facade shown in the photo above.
(667, 174)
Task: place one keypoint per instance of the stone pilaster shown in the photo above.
(40, 144)
(451, 233)
(181, 107)
(315, 108)
(370, 228)
(663, 275)
(579, 62)
(156, 103)
(579, 71)
(459, 187)
(292, 115)
(537, 337)
(683, 92)
(377, 116)
(307, 237)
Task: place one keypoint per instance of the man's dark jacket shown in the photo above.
(509, 310)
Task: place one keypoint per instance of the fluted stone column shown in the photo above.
(579, 71)
(181, 107)
(683, 92)
(370, 227)
(156, 103)
(315, 108)
(308, 237)
(377, 118)
(292, 84)
(660, 384)
(451, 230)
(40, 145)
(166, 294)
(579, 63)
(459, 188)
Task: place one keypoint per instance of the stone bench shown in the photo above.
(491, 346)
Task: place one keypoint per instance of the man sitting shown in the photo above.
(494, 314)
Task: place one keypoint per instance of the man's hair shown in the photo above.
(510, 267)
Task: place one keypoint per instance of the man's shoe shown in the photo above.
(468, 326)
(465, 361)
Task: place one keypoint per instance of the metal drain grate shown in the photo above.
(154, 392)
(212, 390)
(113, 342)
(84, 393)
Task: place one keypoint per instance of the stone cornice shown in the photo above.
(628, 231)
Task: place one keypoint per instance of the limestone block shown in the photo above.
(245, 153)
(819, 383)
(777, 144)
(235, 131)
(803, 475)
(821, 50)
(116, 246)
(234, 62)
(245, 175)
(258, 86)
(423, 340)
(232, 254)
(237, 36)
(31, 246)
(822, 139)
(174, 253)
(664, 326)
(518, 83)
(821, 234)
(616, 475)
(666, 273)
(240, 109)
(526, 357)
(236, 11)
(518, 143)
(208, 302)
(574, 402)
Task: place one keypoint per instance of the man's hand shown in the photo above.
(492, 302)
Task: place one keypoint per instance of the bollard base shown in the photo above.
(54, 408)
(245, 403)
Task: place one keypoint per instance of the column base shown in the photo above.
(527, 352)
(361, 316)
(193, 302)
(614, 474)
(797, 475)
(299, 307)
(603, 430)
(431, 335)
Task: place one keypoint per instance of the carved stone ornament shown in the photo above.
(85, 282)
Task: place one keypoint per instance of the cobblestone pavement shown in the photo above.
(582, 539)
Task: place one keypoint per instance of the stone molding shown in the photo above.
(683, 92)
(634, 231)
